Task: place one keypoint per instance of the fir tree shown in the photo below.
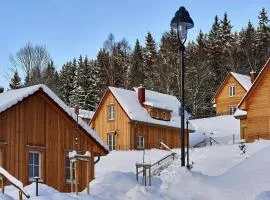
(137, 74)
(15, 81)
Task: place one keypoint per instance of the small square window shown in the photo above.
(164, 115)
(140, 142)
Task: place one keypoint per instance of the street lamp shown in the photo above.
(180, 23)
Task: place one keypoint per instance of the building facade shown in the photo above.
(37, 131)
(137, 119)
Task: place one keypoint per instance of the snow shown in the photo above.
(12, 97)
(12, 180)
(85, 114)
(219, 172)
(129, 101)
(244, 80)
(240, 113)
(222, 127)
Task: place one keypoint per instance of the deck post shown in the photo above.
(87, 176)
(76, 178)
(137, 175)
(71, 176)
(149, 176)
(20, 195)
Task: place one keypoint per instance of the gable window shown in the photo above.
(140, 142)
(34, 165)
(111, 141)
(232, 90)
(232, 110)
(111, 112)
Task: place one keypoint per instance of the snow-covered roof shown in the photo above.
(244, 80)
(129, 102)
(218, 126)
(240, 113)
(85, 114)
(12, 97)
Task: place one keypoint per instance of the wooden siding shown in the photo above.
(120, 125)
(257, 106)
(127, 131)
(38, 124)
(223, 100)
(154, 134)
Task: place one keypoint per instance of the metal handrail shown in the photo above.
(159, 161)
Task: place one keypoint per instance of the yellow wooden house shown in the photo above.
(231, 91)
(254, 108)
(137, 119)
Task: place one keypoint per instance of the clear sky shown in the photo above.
(69, 28)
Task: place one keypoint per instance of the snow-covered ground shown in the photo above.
(219, 172)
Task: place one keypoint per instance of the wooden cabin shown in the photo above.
(230, 93)
(254, 108)
(137, 119)
(37, 132)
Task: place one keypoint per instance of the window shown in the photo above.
(232, 91)
(140, 142)
(111, 141)
(155, 114)
(164, 115)
(34, 164)
(232, 110)
(111, 112)
(68, 180)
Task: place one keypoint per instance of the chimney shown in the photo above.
(141, 94)
(253, 76)
(1, 89)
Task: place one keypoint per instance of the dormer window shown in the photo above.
(164, 116)
(232, 90)
(111, 112)
(155, 114)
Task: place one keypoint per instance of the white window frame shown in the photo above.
(140, 142)
(33, 165)
(232, 91)
(111, 112)
(111, 141)
(232, 110)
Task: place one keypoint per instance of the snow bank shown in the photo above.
(5, 197)
(220, 127)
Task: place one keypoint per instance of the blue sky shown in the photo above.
(69, 28)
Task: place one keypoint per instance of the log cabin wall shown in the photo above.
(257, 106)
(223, 100)
(120, 125)
(38, 124)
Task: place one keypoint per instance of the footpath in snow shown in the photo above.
(219, 172)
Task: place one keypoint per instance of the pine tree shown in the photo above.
(50, 77)
(150, 60)
(263, 33)
(15, 81)
(136, 73)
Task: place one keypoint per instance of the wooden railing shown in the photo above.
(15, 182)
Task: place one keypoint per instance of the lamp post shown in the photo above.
(180, 23)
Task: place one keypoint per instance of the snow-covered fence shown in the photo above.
(15, 182)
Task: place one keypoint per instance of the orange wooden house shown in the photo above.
(254, 108)
(37, 131)
(137, 119)
(230, 92)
